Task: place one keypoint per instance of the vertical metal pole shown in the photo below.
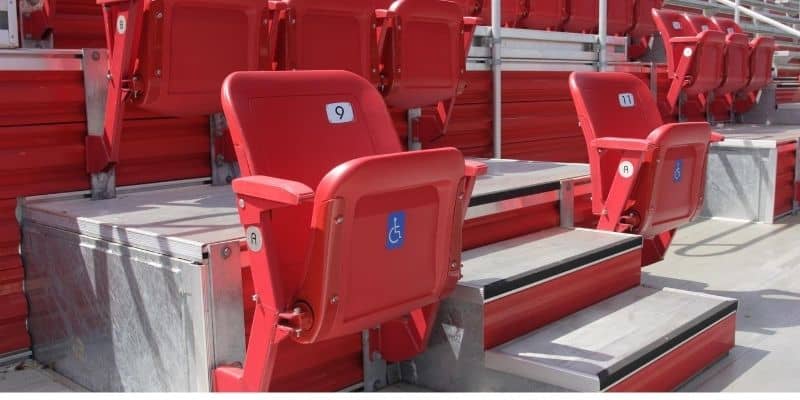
(737, 15)
(602, 35)
(497, 81)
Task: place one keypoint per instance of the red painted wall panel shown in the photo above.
(785, 179)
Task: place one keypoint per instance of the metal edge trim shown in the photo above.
(609, 380)
(499, 288)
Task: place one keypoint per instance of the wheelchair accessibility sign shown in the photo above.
(677, 171)
(396, 230)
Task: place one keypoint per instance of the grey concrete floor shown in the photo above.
(760, 266)
(29, 376)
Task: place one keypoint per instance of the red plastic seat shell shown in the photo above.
(329, 35)
(736, 71)
(545, 15)
(431, 31)
(583, 16)
(358, 182)
(661, 201)
(188, 47)
(707, 66)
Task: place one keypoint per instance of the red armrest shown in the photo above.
(276, 190)
(475, 168)
(616, 143)
(717, 137)
(685, 39)
(471, 21)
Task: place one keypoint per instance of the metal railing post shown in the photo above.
(602, 35)
(497, 81)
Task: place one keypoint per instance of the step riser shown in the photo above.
(525, 311)
(445, 367)
(676, 367)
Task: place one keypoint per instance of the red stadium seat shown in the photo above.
(695, 61)
(171, 57)
(423, 48)
(647, 177)
(643, 27)
(736, 71)
(547, 15)
(759, 63)
(583, 16)
(345, 232)
(424, 45)
(324, 35)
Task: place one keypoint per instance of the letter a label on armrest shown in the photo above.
(339, 113)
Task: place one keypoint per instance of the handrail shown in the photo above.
(760, 17)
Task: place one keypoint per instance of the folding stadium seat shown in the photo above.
(324, 35)
(762, 50)
(583, 16)
(647, 177)
(345, 231)
(171, 57)
(736, 71)
(695, 61)
(545, 15)
(643, 27)
(423, 46)
(512, 10)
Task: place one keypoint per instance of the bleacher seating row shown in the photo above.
(712, 58)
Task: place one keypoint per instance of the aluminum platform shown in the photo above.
(598, 347)
(752, 175)
(506, 267)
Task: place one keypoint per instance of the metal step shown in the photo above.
(500, 269)
(602, 345)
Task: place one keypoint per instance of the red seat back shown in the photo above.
(314, 146)
(331, 130)
(424, 57)
(597, 99)
(545, 15)
(727, 25)
(188, 47)
(583, 16)
(669, 188)
(707, 58)
(762, 51)
(736, 70)
(643, 25)
(329, 35)
(512, 10)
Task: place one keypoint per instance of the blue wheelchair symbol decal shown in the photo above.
(677, 172)
(396, 230)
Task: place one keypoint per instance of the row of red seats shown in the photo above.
(712, 57)
(171, 57)
(625, 17)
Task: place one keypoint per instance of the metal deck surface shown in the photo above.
(506, 175)
(579, 351)
(757, 135)
(182, 221)
(759, 265)
(498, 266)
